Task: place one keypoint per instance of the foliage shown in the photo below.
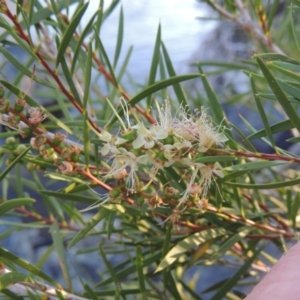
(159, 191)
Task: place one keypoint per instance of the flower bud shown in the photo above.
(25, 132)
(4, 105)
(19, 105)
(58, 138)
(115, 193)
(20, 148)
(30, 166)
(10, 140)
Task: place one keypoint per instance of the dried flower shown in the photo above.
(36, 116)
(65, 168)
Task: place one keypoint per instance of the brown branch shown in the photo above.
(53, 73)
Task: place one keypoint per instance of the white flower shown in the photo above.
(126, 159)
(111, 142)
(200, 130)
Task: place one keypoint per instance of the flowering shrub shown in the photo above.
(159, 185)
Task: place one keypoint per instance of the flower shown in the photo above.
(36, 116)
(65, 168)
(111, 142)
(199, 129)
(125, 159)
(207, 173)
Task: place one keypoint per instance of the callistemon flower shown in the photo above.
(126, 159)
(111, 142)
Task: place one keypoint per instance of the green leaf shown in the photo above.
(177, 88)
(187, 244)
(79, 42)
(277, 57)
(233, 280)
(262, 113)
(154, 63)
(13, 163)
(112, 273)
(101, 214)
(10, 278)
(213, 159)
(68, 35)
(139, 267)
(60, 249)
(214, 103)
(103, 52)
(275, 128)
(160, 85)
(71, 197)
(242, 233)
(252, 166)
(26, 265)
(14, 203)
(23, 69)
(154, 88)
(281, 96)
(119, 38)
(266, 186)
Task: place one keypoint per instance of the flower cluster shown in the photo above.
(171, 141)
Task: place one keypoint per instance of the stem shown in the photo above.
(53, 73)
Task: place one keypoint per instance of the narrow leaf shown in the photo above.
(281, 96)
(14, 203)
(70, 32)
(187, 244)
(13, 163)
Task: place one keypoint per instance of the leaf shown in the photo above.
(13, 163)
(152, 89)
(80, 40)
(23, 69)
(112, 273)
(214, 103)
(262, 114)
(279, 57)
(251, 166)
(213, 159)
(14, 203)
(119, 38)
(266, 186)
(59, 247)
(71, 197)
(275, 128)
(233, 280)
(187, 244)
(103, 52)
(101, 214)
(177, 88)
(154, 63)
(68, 35)
(11, 278)
(26, 265)
(160, 85)
(139, 267)
(281, 97)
